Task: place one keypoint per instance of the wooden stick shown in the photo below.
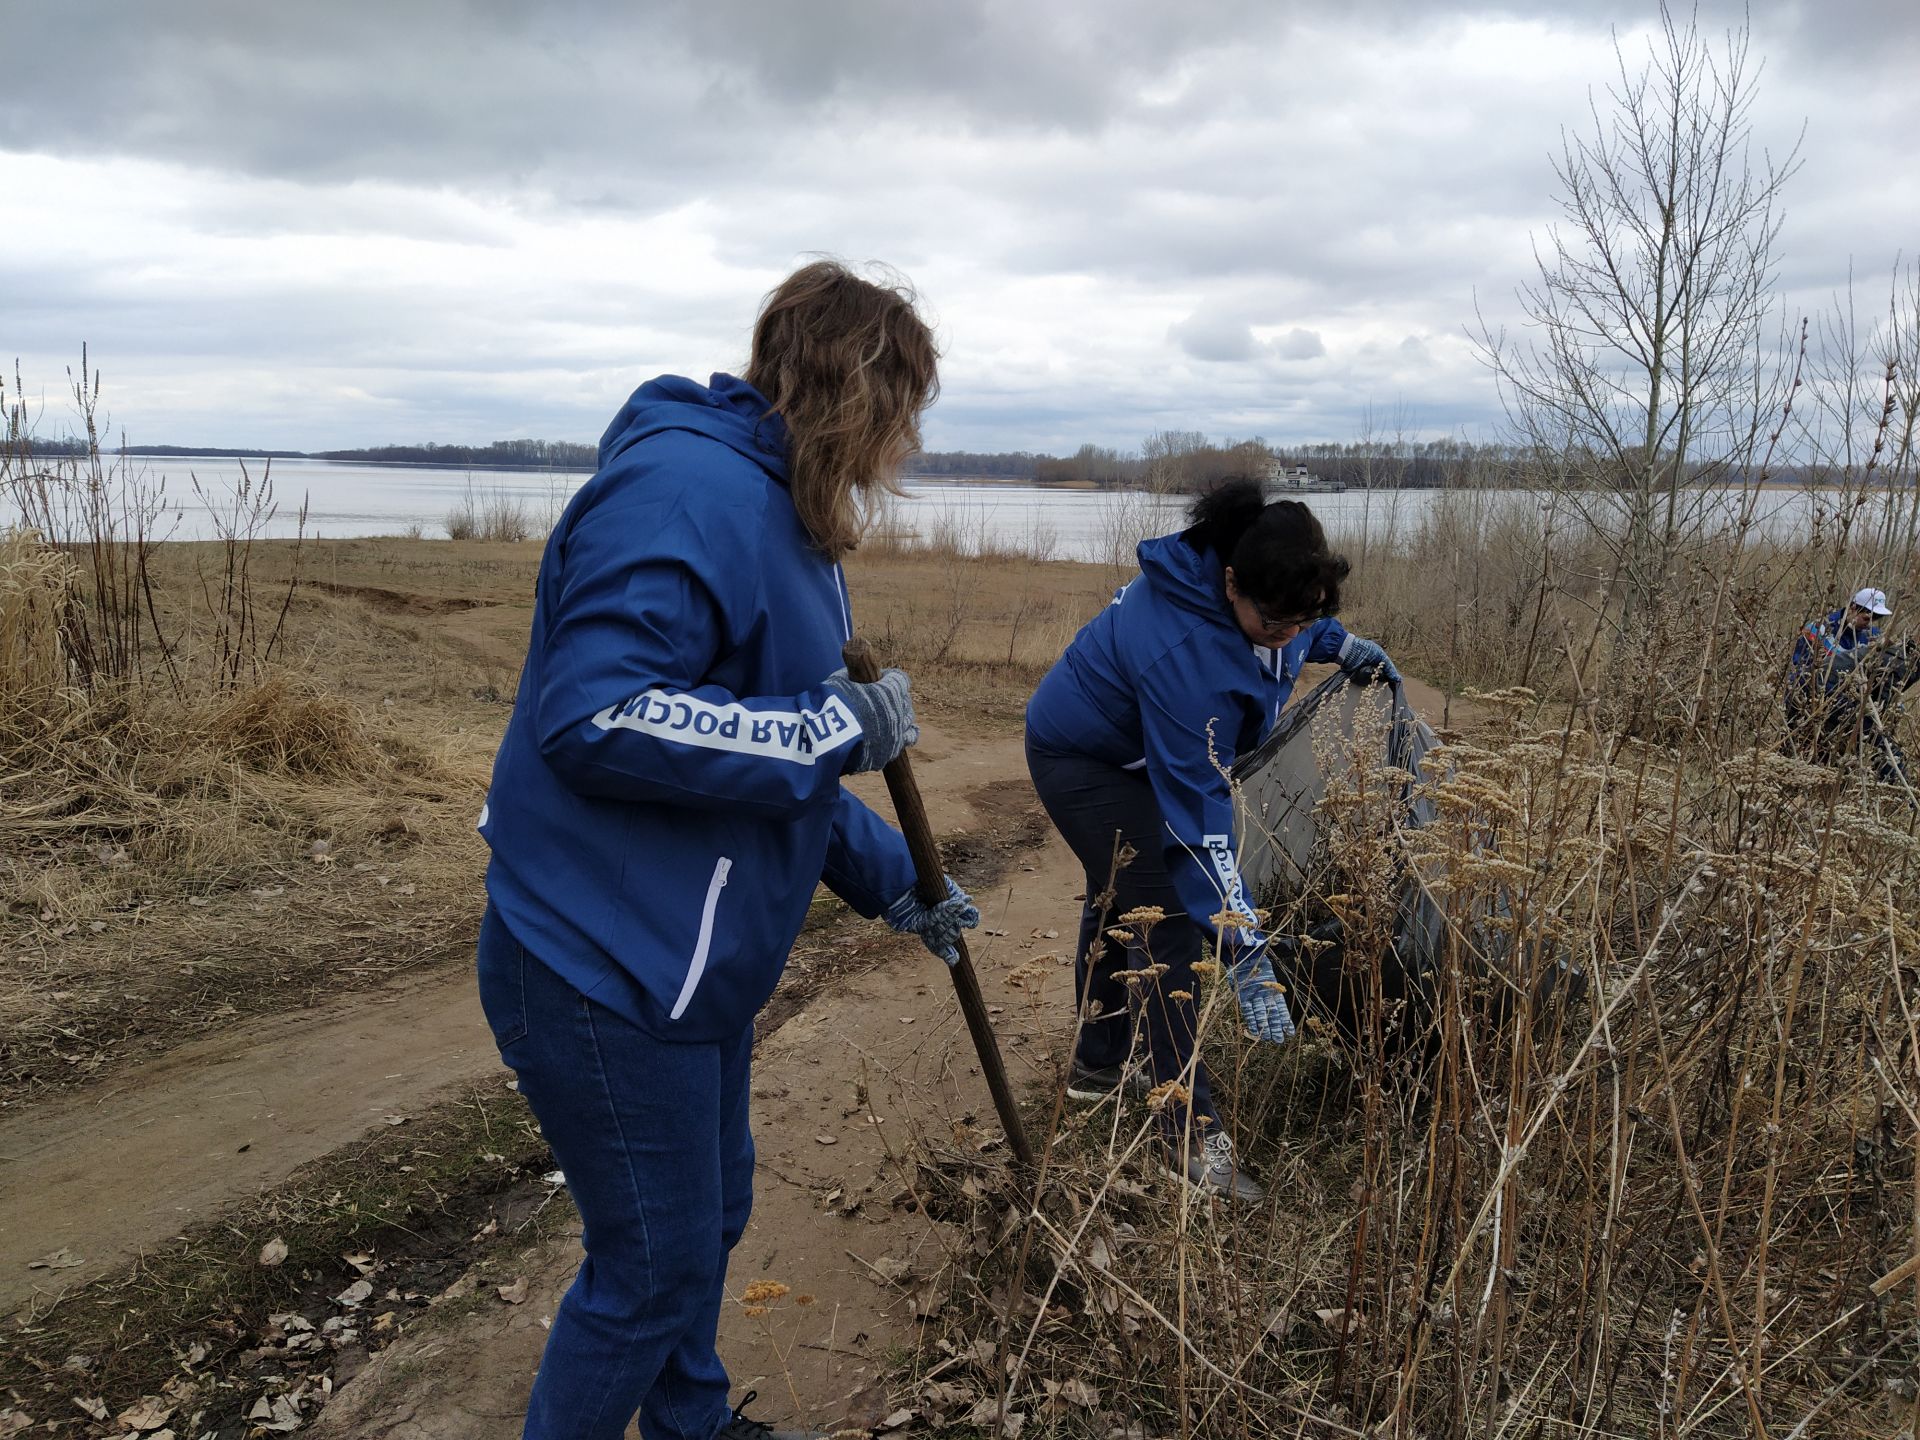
(1899, 1276)
(932, 889)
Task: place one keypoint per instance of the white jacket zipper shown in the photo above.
(698, 966)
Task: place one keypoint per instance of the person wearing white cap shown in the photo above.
(1825, 650)
(1855, 624)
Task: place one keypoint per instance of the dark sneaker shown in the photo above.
(741, 1428)
(1090, 1085)
(1211, 1167)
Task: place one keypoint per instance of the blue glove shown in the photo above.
(1262, 1005)
(938, 925)
(1366, 661)
(884, 708)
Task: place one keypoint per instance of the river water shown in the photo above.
(344, 500)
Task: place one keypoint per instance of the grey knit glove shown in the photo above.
(1366, 661)
(1262, 1005)
(939, 925)
(884, 709)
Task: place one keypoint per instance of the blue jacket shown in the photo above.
(1163, 677)
(668, 791)
(1821, 639)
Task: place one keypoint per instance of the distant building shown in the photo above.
(1298, 481)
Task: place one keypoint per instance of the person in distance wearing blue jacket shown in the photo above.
(1129, 739)
(664, 802)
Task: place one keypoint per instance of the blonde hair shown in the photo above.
(849, 365)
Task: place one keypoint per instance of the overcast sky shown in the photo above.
(308, 226)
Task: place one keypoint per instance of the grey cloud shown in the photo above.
(1298, 344)
(626, 102)
(1214, 337)
(1342, 178)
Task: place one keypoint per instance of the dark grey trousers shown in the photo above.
(1091, 803)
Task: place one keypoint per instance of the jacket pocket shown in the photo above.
(697, 966)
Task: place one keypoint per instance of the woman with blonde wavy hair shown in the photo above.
(664, 802)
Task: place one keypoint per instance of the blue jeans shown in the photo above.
(653, 1139)
(1092, 804)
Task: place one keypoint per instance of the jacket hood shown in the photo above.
(1191, 579)
(726, 409)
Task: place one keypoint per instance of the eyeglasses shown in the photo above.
(1287, 622)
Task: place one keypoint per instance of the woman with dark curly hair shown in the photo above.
(665, 800)
(1129, 740)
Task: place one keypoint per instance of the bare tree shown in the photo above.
(1647, 361)
(1169, 456)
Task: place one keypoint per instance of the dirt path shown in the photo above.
(108, 1172)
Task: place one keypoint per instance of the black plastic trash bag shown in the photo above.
(1384, 998)
(1287, 867)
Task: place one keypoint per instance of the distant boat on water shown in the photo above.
(1298, 481)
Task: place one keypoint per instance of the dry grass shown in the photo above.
(237, 838)
(34, 583)
(497, 516)
(975, 631)
(1665, 1206)
(1659, 1210)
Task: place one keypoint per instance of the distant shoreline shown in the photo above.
(1773, 484)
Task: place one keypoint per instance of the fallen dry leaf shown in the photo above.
(362, 1263)
(61, 1259)
(1337, 1320)
(12, 1422)
(514, 1294)
(354, 1294)
(946, 1394)
(150, 1414)
(987, 1411)
(896, 1420)
(1075, 1391)
(90, 1406)
(827, 1139)
(274, 1252)
(279, 1412)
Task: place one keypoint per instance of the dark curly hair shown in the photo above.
(1278, 551)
